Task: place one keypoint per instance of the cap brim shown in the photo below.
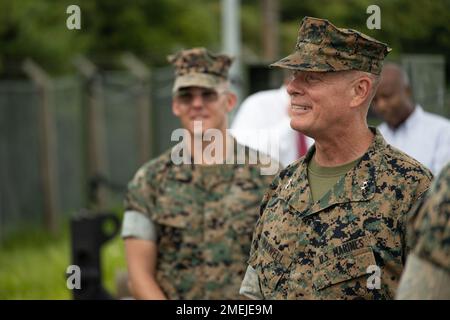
(197, 80)
(304, 62)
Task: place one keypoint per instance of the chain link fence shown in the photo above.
(21, 196)
(20, 200)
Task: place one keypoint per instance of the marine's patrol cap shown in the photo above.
(199, 67)
(322, 47)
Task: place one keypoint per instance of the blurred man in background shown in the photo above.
(188, 226)
(422, 135)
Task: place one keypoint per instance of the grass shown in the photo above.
(33, 265)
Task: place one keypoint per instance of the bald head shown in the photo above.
(393, 72)
(393, 99)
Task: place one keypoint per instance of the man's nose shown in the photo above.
(197, 101)
(295, 87)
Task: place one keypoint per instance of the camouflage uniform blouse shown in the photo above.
(430, 238)
(205, 217)
(335, 247)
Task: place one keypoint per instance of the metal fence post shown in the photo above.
(145, 123)
(96, 132)
(47, 144)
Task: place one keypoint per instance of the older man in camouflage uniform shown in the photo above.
(188, 226)
(427, 270)
(332, 225)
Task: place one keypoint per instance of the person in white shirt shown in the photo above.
(263, 123)
(422, 135)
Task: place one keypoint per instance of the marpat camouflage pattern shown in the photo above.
(322, 250)
(322, 47)
(205, 217)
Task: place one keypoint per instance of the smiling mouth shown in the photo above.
(300, 108)
(198, 117)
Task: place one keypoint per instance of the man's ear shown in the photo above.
(176, 109)
(361, 90)
(231, 101)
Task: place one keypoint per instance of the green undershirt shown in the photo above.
(322, 179)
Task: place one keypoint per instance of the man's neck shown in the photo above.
(342, 147)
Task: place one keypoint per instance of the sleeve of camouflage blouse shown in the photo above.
(422, 280)
(409, 232)
(250, 285)
(409, 221)
(433, 224)
(140, 194)
(139, 226)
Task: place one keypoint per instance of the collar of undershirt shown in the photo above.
(335, 171)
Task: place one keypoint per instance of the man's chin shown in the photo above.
(299, 126)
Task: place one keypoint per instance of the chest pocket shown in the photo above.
(171, 233)
(348, 276)
(177, 223)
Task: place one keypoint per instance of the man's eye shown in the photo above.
(185, 96)
(209, 95)
(311, 78)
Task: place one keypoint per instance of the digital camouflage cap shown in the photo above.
(322, 47)
(199, 67)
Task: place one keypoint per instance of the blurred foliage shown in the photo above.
(153, 29)
(150, 29)
(34, 262)
(419, 26)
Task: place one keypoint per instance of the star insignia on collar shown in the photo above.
(364, 186)
(288, 184)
